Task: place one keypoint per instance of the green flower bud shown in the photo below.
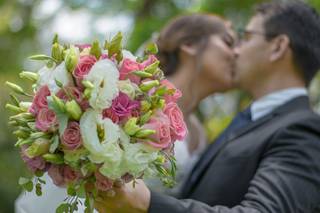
(87, 84)
(142, 74)
(17, 89)
(161, 91)
(131, 127)
(13, 108)
(21, 134)
(53, 158)
(73, 110)
(71, 59)
(58, 102)
(25, 116)
(32, 76)
(56, 52)
(13, 123)
(145, 118)
(145, 105)
(152, 68)
(36, 135)
(39, 147)
(143, 133)
(146, 86)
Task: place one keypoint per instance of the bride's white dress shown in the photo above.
(52, 197)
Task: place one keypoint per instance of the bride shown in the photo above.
(195, 55)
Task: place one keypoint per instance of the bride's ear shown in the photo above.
(189, 49)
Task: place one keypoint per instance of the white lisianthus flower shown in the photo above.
(128, 88)
(105, 151)
(137, 156)
(47, 76)
(104, 76)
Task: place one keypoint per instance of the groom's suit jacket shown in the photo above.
(271, 165)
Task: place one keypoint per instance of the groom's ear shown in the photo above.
(279, 47)
(189, 49)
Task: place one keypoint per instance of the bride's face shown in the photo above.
(217, 62)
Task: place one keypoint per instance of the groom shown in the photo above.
(268, 159)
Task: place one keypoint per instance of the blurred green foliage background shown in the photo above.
(27, 27)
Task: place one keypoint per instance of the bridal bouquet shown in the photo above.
(96, 116)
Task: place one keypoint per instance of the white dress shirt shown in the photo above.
(268, 103)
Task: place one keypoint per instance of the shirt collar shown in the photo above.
(268, 103)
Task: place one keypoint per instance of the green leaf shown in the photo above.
(55, 38)
(71, 190)
(28, 186)
(41, 181)
(63, 208)
(61, 116)
(39, 173)
(38, 189)
(54, 145)
(95, 49)
(115, 46)
(23, 180)
(81, 191)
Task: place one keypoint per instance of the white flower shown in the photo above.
(128, 88)
(107, 150)
(104, 76)
(47, 76)
(137, 156)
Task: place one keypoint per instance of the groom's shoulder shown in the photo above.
(304, 126)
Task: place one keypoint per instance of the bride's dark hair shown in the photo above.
(187, 29)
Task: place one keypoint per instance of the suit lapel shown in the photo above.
(214, 150)
(194, 178)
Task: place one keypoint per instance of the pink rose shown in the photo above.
(123, 106)
(151, 59)
(109, 113)
(178, 127)
(176, 95)
(33, 164)
(83, 68)
(161, 124)
(71, 138)
(56, 174)
(127, 67)
(103, 183)
(40, 100)
(46, 120)
(70, 175)
(75, 94)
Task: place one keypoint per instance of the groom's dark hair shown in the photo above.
(301, 23)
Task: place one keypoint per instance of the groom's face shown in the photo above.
(252, 55)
